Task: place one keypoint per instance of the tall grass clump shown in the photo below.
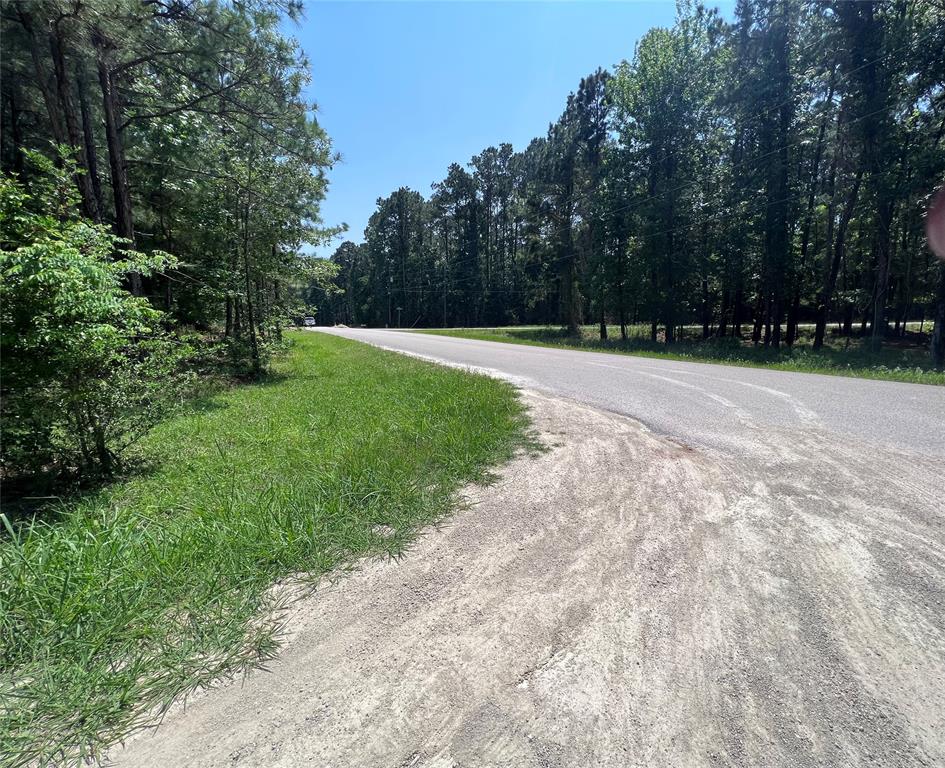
(114, 604)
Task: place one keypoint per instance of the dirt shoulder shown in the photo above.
(618, 600)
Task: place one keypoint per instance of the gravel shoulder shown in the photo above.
(620, 599)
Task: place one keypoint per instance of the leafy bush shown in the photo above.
(86, 366)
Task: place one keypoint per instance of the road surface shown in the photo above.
(710, 406)
(708, 566)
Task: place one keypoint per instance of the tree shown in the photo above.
(213, 154)
(87, 367)
(662, 100)
(770, 172)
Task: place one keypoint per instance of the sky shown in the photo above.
(406, 88)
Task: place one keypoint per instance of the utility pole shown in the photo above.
(398, 316)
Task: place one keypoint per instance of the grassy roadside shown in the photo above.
(910, 365)
(140, 592)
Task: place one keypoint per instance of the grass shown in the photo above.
(125, 599)
(839, 357)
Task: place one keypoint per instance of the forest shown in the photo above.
(759, 179)
(180, 467)
(161, 170)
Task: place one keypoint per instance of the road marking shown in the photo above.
(804, 413)
(740, 413)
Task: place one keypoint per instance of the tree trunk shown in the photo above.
(830, 281)
(104, 458)
(88, 137)
(723, 315)
(737, 313)
(938, 333)
(250, 318)
(794, 309)
(67, 107)
(846, 327)
(260, 311)
(769, 302)
(759, 319)
(80, 430)
(103, 455)
(601, 294)
(601, 303)
(883, 220)
(277, 302)
(706, 308)
(777, 226)
(228, 327)
(124, 221)
(792, 318)
(42, 78)
(237, 316)
(777, 312)
(569, 296)
(669, 311)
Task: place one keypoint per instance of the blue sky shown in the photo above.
(406, 88)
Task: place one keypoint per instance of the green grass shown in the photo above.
(129, 597)
(840, 357)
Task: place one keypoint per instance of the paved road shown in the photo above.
(764, 587)
(708, 406)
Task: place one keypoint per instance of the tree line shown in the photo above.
(161, 169)
(746, 177)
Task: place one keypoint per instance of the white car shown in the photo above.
(308, 322)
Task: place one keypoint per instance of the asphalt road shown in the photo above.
(703, 405)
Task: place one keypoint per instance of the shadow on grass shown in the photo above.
(46, 496)
(838, 355)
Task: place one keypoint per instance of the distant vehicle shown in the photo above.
(308, 321)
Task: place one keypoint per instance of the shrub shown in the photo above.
(86, 366)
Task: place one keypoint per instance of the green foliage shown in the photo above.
(747, 177)
(182, 128)
(161, 583)
(192, 135)
(86, 365)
